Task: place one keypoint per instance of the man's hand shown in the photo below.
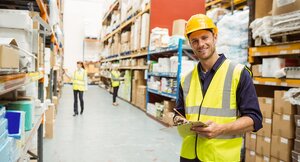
(211, 131)
(178, 120)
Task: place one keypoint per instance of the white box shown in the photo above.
(22, 37)
(145, 29)
(17, 19)
(272, 65)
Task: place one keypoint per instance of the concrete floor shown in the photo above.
(105, 133)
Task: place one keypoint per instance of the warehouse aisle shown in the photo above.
(108, 134)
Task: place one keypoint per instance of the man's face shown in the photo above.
(203, 44)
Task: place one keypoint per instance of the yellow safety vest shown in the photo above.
(115, 75)
(219, 105)
(78, 81)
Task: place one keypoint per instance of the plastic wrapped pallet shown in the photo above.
(261, 28)
(159, 38)
(21, 19)
(145, 29)
(234, 28)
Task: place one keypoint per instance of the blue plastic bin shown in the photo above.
(3, 125)
(3, 137)
(15, 124)
(2, 111)
(27, 107)
(5, 151)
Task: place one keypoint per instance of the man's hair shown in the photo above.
(81, 63)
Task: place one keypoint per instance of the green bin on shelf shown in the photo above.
(27, 107)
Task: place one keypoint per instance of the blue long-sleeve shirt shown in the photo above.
(246, 97)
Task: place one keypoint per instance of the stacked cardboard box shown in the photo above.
(138, 83)
(145, 30)
(125, 41)
(50, 115)
(168, 113)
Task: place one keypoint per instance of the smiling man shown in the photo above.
(218, 92)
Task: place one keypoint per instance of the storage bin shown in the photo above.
(27, 107)
(3, 125)
(15, 123)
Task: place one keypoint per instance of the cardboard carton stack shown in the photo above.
(93, 72)
(50, 116)
(275, 141)
(139, 89)
(168, 113)
(125, 41)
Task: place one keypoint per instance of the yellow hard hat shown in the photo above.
(200, 22)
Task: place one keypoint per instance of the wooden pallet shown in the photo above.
(286, 37)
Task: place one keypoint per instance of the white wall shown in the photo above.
(81, 18)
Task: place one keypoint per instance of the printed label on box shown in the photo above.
(266, 159)
(268, 121)
(253, 136)
(252, 153)
(284, 140)
(284, 84)
(286, 117)
(281, 3)
(268, 101)
(267, 139)
(296, 51)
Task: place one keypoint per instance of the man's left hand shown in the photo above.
(211, 131)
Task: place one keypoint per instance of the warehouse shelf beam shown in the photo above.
(126, 23)
(274, 50)
(145, 53)
(284, 82)
(171, 75)
(169, 95)
(111, 8)
(12, 82)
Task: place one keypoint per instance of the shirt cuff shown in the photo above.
(257, 122)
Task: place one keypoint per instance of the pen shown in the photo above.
(178, 113)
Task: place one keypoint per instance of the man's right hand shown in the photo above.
(178, 120)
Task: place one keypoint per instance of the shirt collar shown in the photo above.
(216, 65)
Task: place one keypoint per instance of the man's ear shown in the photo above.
(215, 37)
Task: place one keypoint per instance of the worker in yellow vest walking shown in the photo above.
(79, 86)
(115, 83)
(218, 92)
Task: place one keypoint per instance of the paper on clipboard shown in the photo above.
(185, 129)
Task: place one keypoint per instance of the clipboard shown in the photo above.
(185, 129)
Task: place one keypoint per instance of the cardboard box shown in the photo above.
(168, 118)
(142, 89)
(266, 130)
(134, 91)
(139, 74)
(22, 37)
(257, 70)
(297, 145)
(22, 19)
(125, 37)
(273, 159)
(285, 6)
(295, 155)
(169, 106)
(250, 156)
(297, 134)
(281, 148)
(297, 120)
(9, 56)
(281, 106)
(263, 8)
(145, 30)
(266, 106)
(271, 65)
(178, 27)
(50, 113)
(263, 145)
(141, 62)
(250, 141)
(55, 100)
(283, 125)
(260, 158)
(49, 130)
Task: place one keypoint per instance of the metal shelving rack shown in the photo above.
(179, 51)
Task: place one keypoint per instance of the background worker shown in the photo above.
(79, 80)
(115, 82)
(219, 93)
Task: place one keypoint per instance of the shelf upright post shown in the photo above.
(40, 143)
(55, 83)
(147, 92)
(179, 66)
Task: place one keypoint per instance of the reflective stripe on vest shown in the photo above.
(218, 105)
(78, 81)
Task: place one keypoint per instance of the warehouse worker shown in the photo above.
(219, 93)
(79, 86)
(115, 83)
